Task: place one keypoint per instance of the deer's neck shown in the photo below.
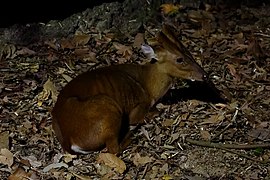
(156, 82)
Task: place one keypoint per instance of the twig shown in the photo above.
(147, 30)
(69, 67)
(232, 121)
(244, 155)
(228, 147)
(144, 171)
(263, 35)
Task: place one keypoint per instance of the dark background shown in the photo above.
(22, 12)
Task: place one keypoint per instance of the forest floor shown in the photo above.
(232, 45)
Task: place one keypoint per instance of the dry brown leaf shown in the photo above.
(112, 161)
(54, 166)
(27, 124)
(7, 51)
(193, 103)
(165, 168)
(125, 51)
(52, 44)
(81, 51)
(69, 157)
(145, 133)
(81, 39)
(195, 16)
(67, 77)
(5, 99)
(20, 174)
(91, 56)
(168, 9)
(25, 162)
(33, 161)
(48, 89)
(121, 60)
(264, 124)
(174, 137)
(104, 170)
(167, 177)
(255, 49)
(199, 34)
(214, 119)
(139, 40)
(239, 37)
(25, 51)
(67, 44)
(168, 122)
(233, 72)
(139, 160)
(6, 157)
(85, 54)
(205, 135)
(233, 105)
(81, 177)
(260, 133)
(4, 140)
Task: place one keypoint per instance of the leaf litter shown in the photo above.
(232, 45)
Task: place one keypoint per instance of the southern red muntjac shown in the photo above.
(94, 110)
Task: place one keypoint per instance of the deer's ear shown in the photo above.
(148, 51)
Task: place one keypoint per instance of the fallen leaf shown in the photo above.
(168, 122)
(174, 137)
(67, 44)
(125, 51)
(255, 49)
(20, 174)
(112, 161)
(80, 52)
(5, 99)
(264, 124)
(260, 133)
(90, 56)
(233, 72)
(4, 140)
(170, 8)
(7, 51)
(205, 135)
(239, 37)
(165, 168)
(213, 119)
(52, 44)
(195, 16)
(139, 160)
(25, 51)
(33, 161)
(81, 176)
(48, 89)
(138, 40)
(69, 157)
(81, 39)
(27, 124)
(145, 133)
(6, 157)
(167, 177)
(104, 170)
(54, 166)
(67, 77)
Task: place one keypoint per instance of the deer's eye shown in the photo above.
(180, 60)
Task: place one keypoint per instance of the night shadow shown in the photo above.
(202, 91)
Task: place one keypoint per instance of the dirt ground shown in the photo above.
(232, 45)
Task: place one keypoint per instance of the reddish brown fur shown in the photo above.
(94, 110)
